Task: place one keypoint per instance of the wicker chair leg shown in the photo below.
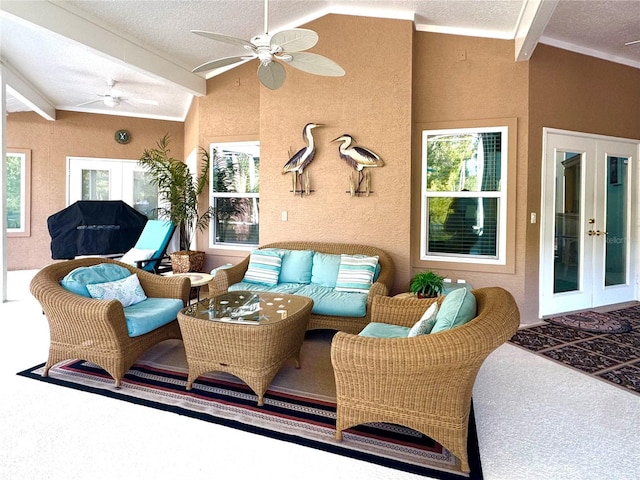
(339, 435)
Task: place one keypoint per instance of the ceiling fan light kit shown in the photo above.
(285, 46)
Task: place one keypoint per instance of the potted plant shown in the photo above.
(179, 193)
(427, 284)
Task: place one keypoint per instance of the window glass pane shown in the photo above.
(236, 220)
(459, 162)
(235, 182)
(15, 191)
(145, 195)
(463, 225)
(95, 184)
(236, 172)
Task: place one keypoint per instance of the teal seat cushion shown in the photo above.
(326, 301)
(150, 314)
(384, 330)
(290, 288)
(457, 308)
(325, 269)
(76, 280)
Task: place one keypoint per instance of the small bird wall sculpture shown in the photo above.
(359, 158)
(300, 160)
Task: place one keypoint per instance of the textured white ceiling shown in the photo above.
(72, 66)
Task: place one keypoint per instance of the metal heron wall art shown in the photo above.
(300, 160)
(359, 158)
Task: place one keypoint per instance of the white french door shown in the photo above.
(111, 179)
(588, 230)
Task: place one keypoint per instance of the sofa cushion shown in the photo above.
(153, 313)
(325, 269)
(384, 330)
(457, 308)
(77, 279)
(426, 322)
(327, 301)
(355, 273)
(256, 287)
(127, 291)
(296, 265)
(264, 268)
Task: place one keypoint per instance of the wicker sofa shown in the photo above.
(423, 382)
(96, 330)
(225, 278)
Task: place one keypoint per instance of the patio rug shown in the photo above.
(611, 357)
(296, 408)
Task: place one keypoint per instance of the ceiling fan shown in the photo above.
(286, 46)
(113, 98)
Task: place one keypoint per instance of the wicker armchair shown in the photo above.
(423, 382)
(96, 330)
(382, 286)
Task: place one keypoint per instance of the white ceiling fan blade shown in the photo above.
(313, 63)
(90, 102)
(221, 62)
(225, 38)
(295, 40)
(271, 75)
(141, 101)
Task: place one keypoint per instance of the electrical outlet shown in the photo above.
(284, 216)
(462, 55)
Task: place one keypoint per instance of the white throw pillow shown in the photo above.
(137, 254)
(426, 323)
(127, 291)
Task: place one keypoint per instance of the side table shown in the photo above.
(197, 280)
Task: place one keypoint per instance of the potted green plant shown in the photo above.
(179, 193)
(427, 284)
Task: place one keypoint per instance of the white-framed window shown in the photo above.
(111, 179)
(235, 194)
(18, 192)
(464, 195)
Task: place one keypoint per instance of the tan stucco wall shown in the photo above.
(574, 92)
(486, 88)
(77, 135)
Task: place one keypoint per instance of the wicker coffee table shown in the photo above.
(247, 334)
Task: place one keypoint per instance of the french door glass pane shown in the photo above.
(95, 184)
(616, 224)
(145, 195)
(567, 227)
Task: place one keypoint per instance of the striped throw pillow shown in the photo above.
(264, 268)
(355, 273)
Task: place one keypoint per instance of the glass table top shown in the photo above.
(252, 308)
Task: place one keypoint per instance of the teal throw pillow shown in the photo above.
(356, 273)
(296, 266)
(76, 280)
(426, 323)
(457, 308)
(325, 269)
(127, 291)
(264, 268)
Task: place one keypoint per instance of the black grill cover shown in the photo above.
(94, 227)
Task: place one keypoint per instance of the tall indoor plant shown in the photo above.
(179, 192)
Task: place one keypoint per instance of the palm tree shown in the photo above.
(178, 189)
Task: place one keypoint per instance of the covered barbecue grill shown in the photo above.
(94, 227)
